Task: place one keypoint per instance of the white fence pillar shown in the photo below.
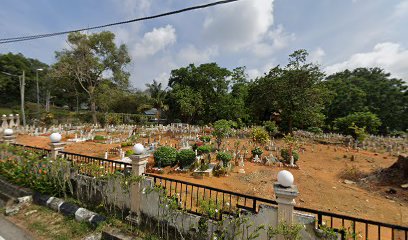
(139, 162)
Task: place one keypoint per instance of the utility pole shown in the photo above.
(22, 87)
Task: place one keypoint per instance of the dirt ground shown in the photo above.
(318, 179)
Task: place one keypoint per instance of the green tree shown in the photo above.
(368, 89)
(222, 128)
(90, 60)
(367, 120)
(294, 92)
(158, 96)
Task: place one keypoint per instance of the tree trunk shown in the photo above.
(92, 101)
(290, 123)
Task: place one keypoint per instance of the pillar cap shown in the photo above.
(291, 191)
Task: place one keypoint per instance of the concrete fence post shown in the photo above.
(56, 145)
(9, 136)
(285, 197)
(139, 162)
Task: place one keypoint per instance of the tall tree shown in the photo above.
(92, 59)
(369, 89)
(295, 92)
(158, 96)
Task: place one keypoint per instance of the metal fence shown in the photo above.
(95, 165)
(190, 196)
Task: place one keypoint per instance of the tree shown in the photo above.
(208, 82)
(222, 128)
(367, 120)
(368, 89)
(158, 96)
(92, 59)
(295, 93)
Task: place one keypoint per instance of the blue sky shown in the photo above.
(258, 34)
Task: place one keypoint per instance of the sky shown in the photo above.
(257, 34)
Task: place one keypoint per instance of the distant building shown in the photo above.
(152, 115)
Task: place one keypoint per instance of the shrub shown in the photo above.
(129, 152)
(366, 120)
(126, 144)
(219, 170)
(224, 157)
(205, 138)
(99, 138)
(196, 145)
(260, 135)
(204, 149)
(286, 157)
(185, 157)
(165, 156)
(257, 151)
(271, 127)
(315, 130)
(222, 128)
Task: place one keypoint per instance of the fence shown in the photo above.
(41, 151)
(190, 197)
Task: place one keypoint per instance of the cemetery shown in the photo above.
(334, 173)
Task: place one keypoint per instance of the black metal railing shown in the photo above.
(192, 196)
(357, 228)
(92, 164)
(41, 151)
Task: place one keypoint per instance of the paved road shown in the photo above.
(9, 231)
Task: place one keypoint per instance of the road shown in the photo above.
(9, 231)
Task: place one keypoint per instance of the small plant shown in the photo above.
(185, 157)
(225, 157)
(260, 135)
(219, 170)
(165, 156)
(196, 145)
(126, 144)
(285, 155)
(129, 152)
(204, 149)
(287, 231)
(99, 138)
(205, 139)
(257, 151)
(327, 233)
(271, 128)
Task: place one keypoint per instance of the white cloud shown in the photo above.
(154, 41)
(240, 24)
(317, 55)
(388, 55)
(276, 39)
(191, 54)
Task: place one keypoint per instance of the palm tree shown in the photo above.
(157, 95)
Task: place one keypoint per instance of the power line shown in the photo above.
(38, 36)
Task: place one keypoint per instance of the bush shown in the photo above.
(315, 130)
(99, 138)
(224, 157)
(204, 149)
(260, 135)
(219, 170)
(196, 145)
(129, 152)
(286, 158)
(366, 120)
(205, 138)
(271, 127)
(185, 157)
(165, 156)
(126, 144)
(257, 151)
